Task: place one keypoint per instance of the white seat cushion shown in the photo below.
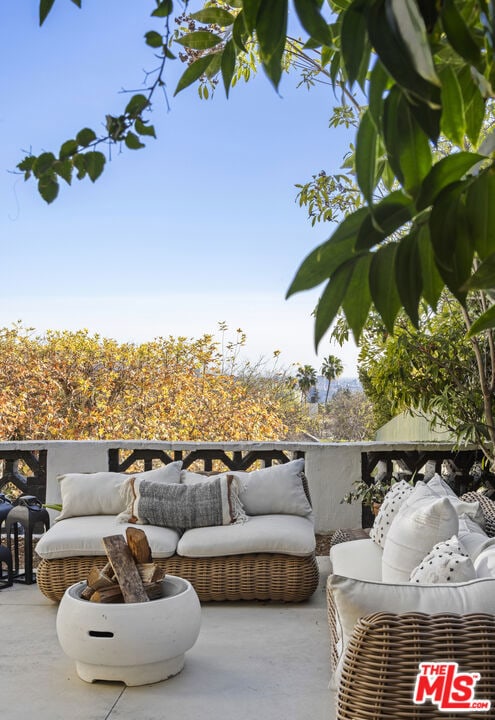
(82, 536)
(361, 559)
(287, 534)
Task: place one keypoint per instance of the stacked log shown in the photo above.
(130, 574)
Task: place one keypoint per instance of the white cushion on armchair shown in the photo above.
(361, 559)
(354, 599)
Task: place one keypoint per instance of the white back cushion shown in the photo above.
(101, 493)
(423, 520)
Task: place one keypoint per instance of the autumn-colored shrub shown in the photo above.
(73, 385)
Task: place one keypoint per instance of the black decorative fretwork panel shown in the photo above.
(120, 460)
(411, 464)
(29, 485)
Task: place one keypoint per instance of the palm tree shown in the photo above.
(331, 369)
(306, 379)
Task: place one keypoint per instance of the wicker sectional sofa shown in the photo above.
(381, 630)
(269, 555)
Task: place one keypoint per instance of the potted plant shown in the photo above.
(370, 494)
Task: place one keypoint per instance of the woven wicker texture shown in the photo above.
(284, 578)
(382, 658)
(487, 508)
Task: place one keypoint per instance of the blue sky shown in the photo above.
(202, 226)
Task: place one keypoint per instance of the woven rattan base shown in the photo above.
(284, 578)
(383, 656)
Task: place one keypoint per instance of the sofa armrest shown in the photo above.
(381, 662)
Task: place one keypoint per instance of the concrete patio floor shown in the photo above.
(252, 660)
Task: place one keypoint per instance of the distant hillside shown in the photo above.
(351, 384)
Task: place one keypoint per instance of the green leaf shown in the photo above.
(200, 40)
(48, 188)
(382, 284)
(386, 39)
(432, 282)
(26, 166)
(331, 300)
(45, 7)
(43, 163)
(271, 30)
(308, 12)
(378, 83)
(391, 108)
(322, 262)
(335, 67)
(239, 32)
(214, 16)
(365, 157)
(453, 122)
(215, 65)
(164, 9)
(458, 33)
(363, 72)
(474, 104)
(143, 129)
(443, 221)
(427, 118)
(136, 105)
(154, 39)
(353, 38)
(228, 65)
(481, 212)
(85, 137)
(80, 165)
(251, 9)
(484, 322)
(451, 238)
(193, 72)
(484, 277)
(446, 171)
(408, 275)
(475, 114)
(95, 162)
(67, 149)
(133, 142)
(407, 146)
(357, 300)
(412, 30)
(388, 216)
(63, 168)
(77, 2)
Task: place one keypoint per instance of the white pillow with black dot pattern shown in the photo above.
(390, 505)
(447, 562)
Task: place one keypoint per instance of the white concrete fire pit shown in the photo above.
(135, 643)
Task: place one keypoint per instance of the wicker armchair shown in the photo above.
(382, 662)
(377, 674)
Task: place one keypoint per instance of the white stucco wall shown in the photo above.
(330, 468)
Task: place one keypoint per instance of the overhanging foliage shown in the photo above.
(427, 72)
